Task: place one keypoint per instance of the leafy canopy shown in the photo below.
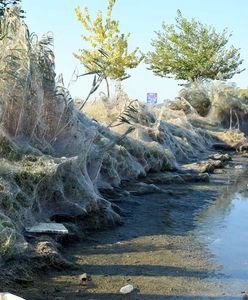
(193, 51)
(109, 48)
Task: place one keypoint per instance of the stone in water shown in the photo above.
(126, 289)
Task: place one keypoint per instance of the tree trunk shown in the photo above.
(107, 84)
(231, 115)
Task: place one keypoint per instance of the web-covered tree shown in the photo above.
(8, 3)
(192, 51)
(108, 54)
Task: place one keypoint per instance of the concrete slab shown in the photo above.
(56, 228)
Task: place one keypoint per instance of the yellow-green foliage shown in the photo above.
(190, 50)
(104, 35)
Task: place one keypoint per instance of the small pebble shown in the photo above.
(85, 277)
(126, 289)
(238, 167)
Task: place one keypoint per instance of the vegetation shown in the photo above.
(197, 96)
(5, 4)
(56, 162)
(192, 51)
(229, 106)
(53, 158)
(109, 54)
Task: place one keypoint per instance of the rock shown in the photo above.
(217, 163)
(202, 167)
(8, 296)
(205, 166)
(223, 157)
(85, 277)
(55, 228)
(126, 289)
(239, 167)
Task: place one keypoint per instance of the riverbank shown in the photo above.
(156, 249)
(66, 175)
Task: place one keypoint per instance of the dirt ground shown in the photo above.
(155, 250)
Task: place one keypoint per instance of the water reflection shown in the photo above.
(223, 226)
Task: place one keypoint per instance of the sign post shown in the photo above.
(151, 98)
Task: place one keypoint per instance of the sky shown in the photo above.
(141, 18)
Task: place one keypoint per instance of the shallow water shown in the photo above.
(223, 227)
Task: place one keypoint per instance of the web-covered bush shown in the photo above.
(197, 96)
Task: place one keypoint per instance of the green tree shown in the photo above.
(5, 4)
(192, 51)
(108, 54)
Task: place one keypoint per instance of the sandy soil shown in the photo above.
(155, 250)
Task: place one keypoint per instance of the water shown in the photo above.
(223, 227)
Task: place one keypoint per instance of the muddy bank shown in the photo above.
(54, 159)
(155, 249)
(58, 164)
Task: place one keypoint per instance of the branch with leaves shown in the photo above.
(127, 116)
(107, 45)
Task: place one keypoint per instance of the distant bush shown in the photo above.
(229, 105)
(198, 97)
